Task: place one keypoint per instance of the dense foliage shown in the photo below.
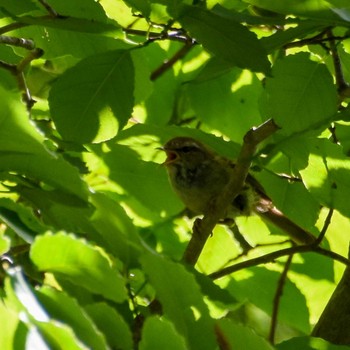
(91, 233)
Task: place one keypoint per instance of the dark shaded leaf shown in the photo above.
(80, 263)
(225, 38)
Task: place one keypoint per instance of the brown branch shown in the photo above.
(168, 64)
(13, 41)
(12, 68)
(203, 228)
(271, 257)
(318, 39)
(277, 298)
(17, 71)
(12, 26)
(334, 322)
(297, 233)
(27, 97)
(313, 41)
(175, 35)
(343, 86)
(48, 8)
(326, 224)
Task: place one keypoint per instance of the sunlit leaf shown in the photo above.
(181, 299)
(94, 99)
(22, 150)
(301, 94)
(160, 333)
(112, 324)
(240, 337)
(65, 309)
(80, 263)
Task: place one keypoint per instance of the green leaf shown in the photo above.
(142, 6)
(9, 319)
(145, 181)
(11, 219)
(327, 175)
(164, 90)
(318, 9)
(20, 293)
(116, 228)
(92, 100)
(22, 150)
(40, 331)
(17, 7)
(213, 68)
(281, 38)
(252, 285)
(231, 113)
(240, 337)
(225, 38)
(113, 326)
(73, 24)
(301, 94)
(57, 336)
(159, 333)
(181, 299)
(5, 244)
(143, 85)
(59, 209)
(80, 8)
(165, 133)
(285, 194)
(309, 343)
(78, 262)
(65, 309)
(59, 44)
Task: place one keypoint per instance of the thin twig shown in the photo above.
(18, 72)
(169, 63)
(12, 68)
(343, 86)
(48, 8)
(257, 246)
(152, 36)
(326, 224)
(12, 26)
(34, 54)
(277, 298)
(271, 257)
(332, 255)
(313, 41)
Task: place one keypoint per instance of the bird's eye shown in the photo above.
(187, 149)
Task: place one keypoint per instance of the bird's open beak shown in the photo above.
(172, 156)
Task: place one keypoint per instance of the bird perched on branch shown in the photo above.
(199, 175)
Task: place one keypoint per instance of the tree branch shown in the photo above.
(10, 40)
(334, 323)
(174, 35)
(271, 257)
(277, 298)
(343, 86)
(168, 64)
(48, 8)
(17, 71)
(203, 228)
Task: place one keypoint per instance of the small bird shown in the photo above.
(198, 175)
